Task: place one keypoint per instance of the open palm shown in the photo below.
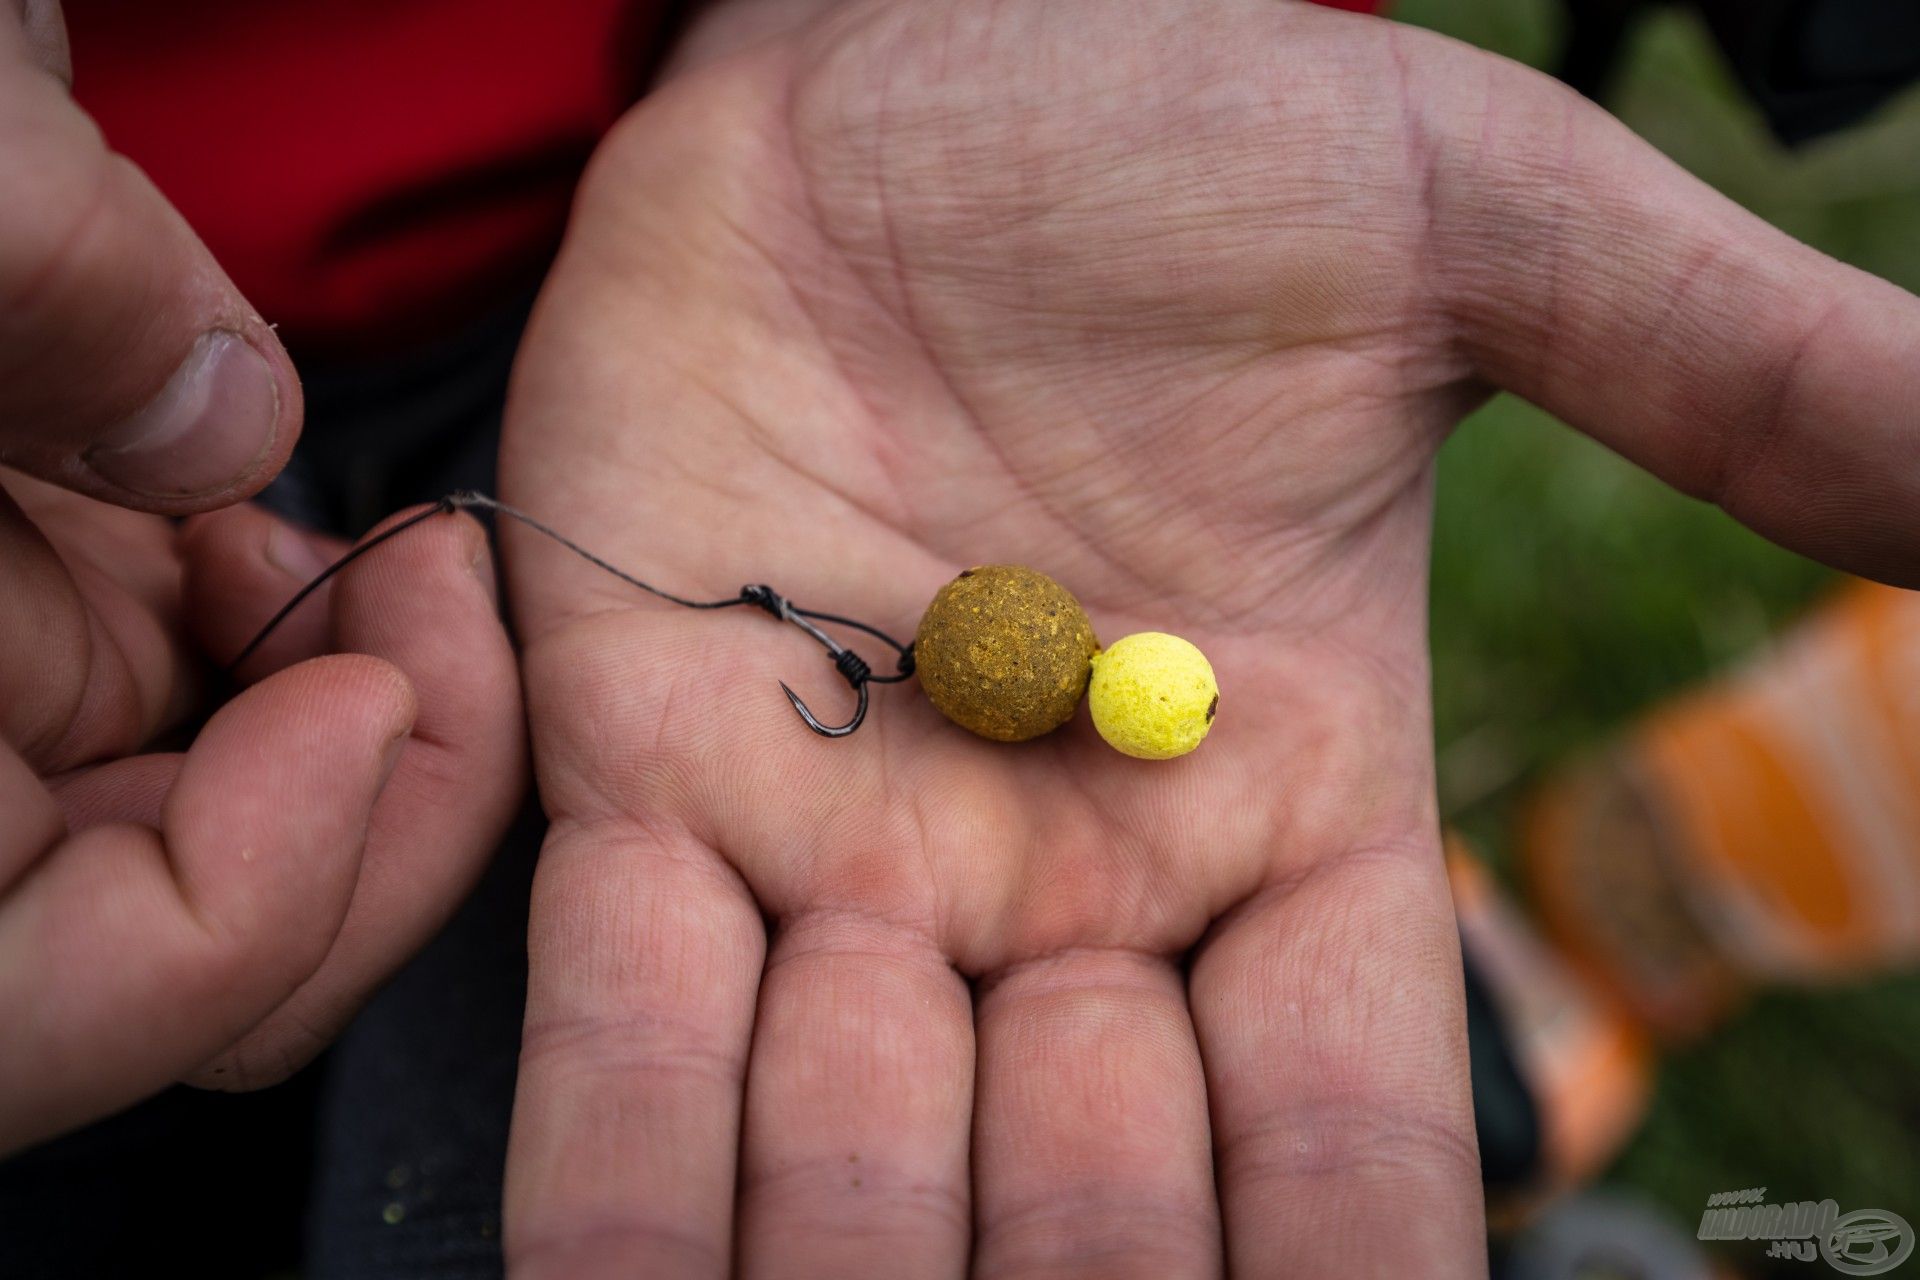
(1174, 302)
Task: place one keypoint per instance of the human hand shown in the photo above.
(1175, 302)
(218, 914)
(130, 368)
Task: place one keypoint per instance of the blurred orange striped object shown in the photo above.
(1762, 829)
(1585, 1063)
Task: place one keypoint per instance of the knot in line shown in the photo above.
(853, 667)
(765, 597)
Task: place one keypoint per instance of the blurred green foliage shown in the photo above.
(1570, 591)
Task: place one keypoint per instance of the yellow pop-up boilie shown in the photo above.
(1007, 652)
(1153, 695)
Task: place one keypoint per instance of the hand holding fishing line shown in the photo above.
(218, 910)
(1172, 304)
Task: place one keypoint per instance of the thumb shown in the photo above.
(1594, 277)
(130, 368)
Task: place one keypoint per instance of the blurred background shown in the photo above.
(1572, 593)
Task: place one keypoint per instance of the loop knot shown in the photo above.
(765, 597)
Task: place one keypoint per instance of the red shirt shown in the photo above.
(366, 169)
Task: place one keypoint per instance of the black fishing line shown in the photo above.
(851, 666)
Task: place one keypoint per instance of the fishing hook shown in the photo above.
(851, 666)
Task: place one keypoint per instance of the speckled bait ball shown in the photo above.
(1153, 695)
(1005, 651)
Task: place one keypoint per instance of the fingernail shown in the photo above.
(213, 420)
(293, 555)
(481, 563)
(390, 756)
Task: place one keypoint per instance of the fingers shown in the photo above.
(132, 789)
(36, 821)
(128, 955)
(242, 564)
(854, 1161)
(1330, 1022)
(1591, 275)
(130, 368)
(424, 603)
(44, 28)
(1092, 1156)
(89, 667)
(644, 952)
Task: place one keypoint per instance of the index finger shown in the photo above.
(644, 953)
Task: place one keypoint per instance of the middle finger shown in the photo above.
(1091, 1141)
(854, 1160)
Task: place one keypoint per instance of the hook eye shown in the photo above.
(828, 730)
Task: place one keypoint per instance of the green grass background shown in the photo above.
(1570, 591)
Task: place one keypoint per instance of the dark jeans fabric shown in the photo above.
(413, 1111)
(383, 1160)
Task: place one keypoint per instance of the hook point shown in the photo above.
(828, 730)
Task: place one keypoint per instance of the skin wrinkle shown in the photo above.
(285, 1053)
(941, 1207)
(1095, 1229)
(45, 744)
(1285, 884)
(907, 329)
(608, 1045)
(1055, 958)
(610, 1236)
(918, 939)
(634, 1045)
(769, 439)
(1422, 157)
(1325, 1140)
(1744, 455)
(1708, 256)
(916, 332)
(911, 329)
(1005, 465)
(805, 309)
(1477, 301)
(105, 712)
(1556, 236)
(40, 280)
